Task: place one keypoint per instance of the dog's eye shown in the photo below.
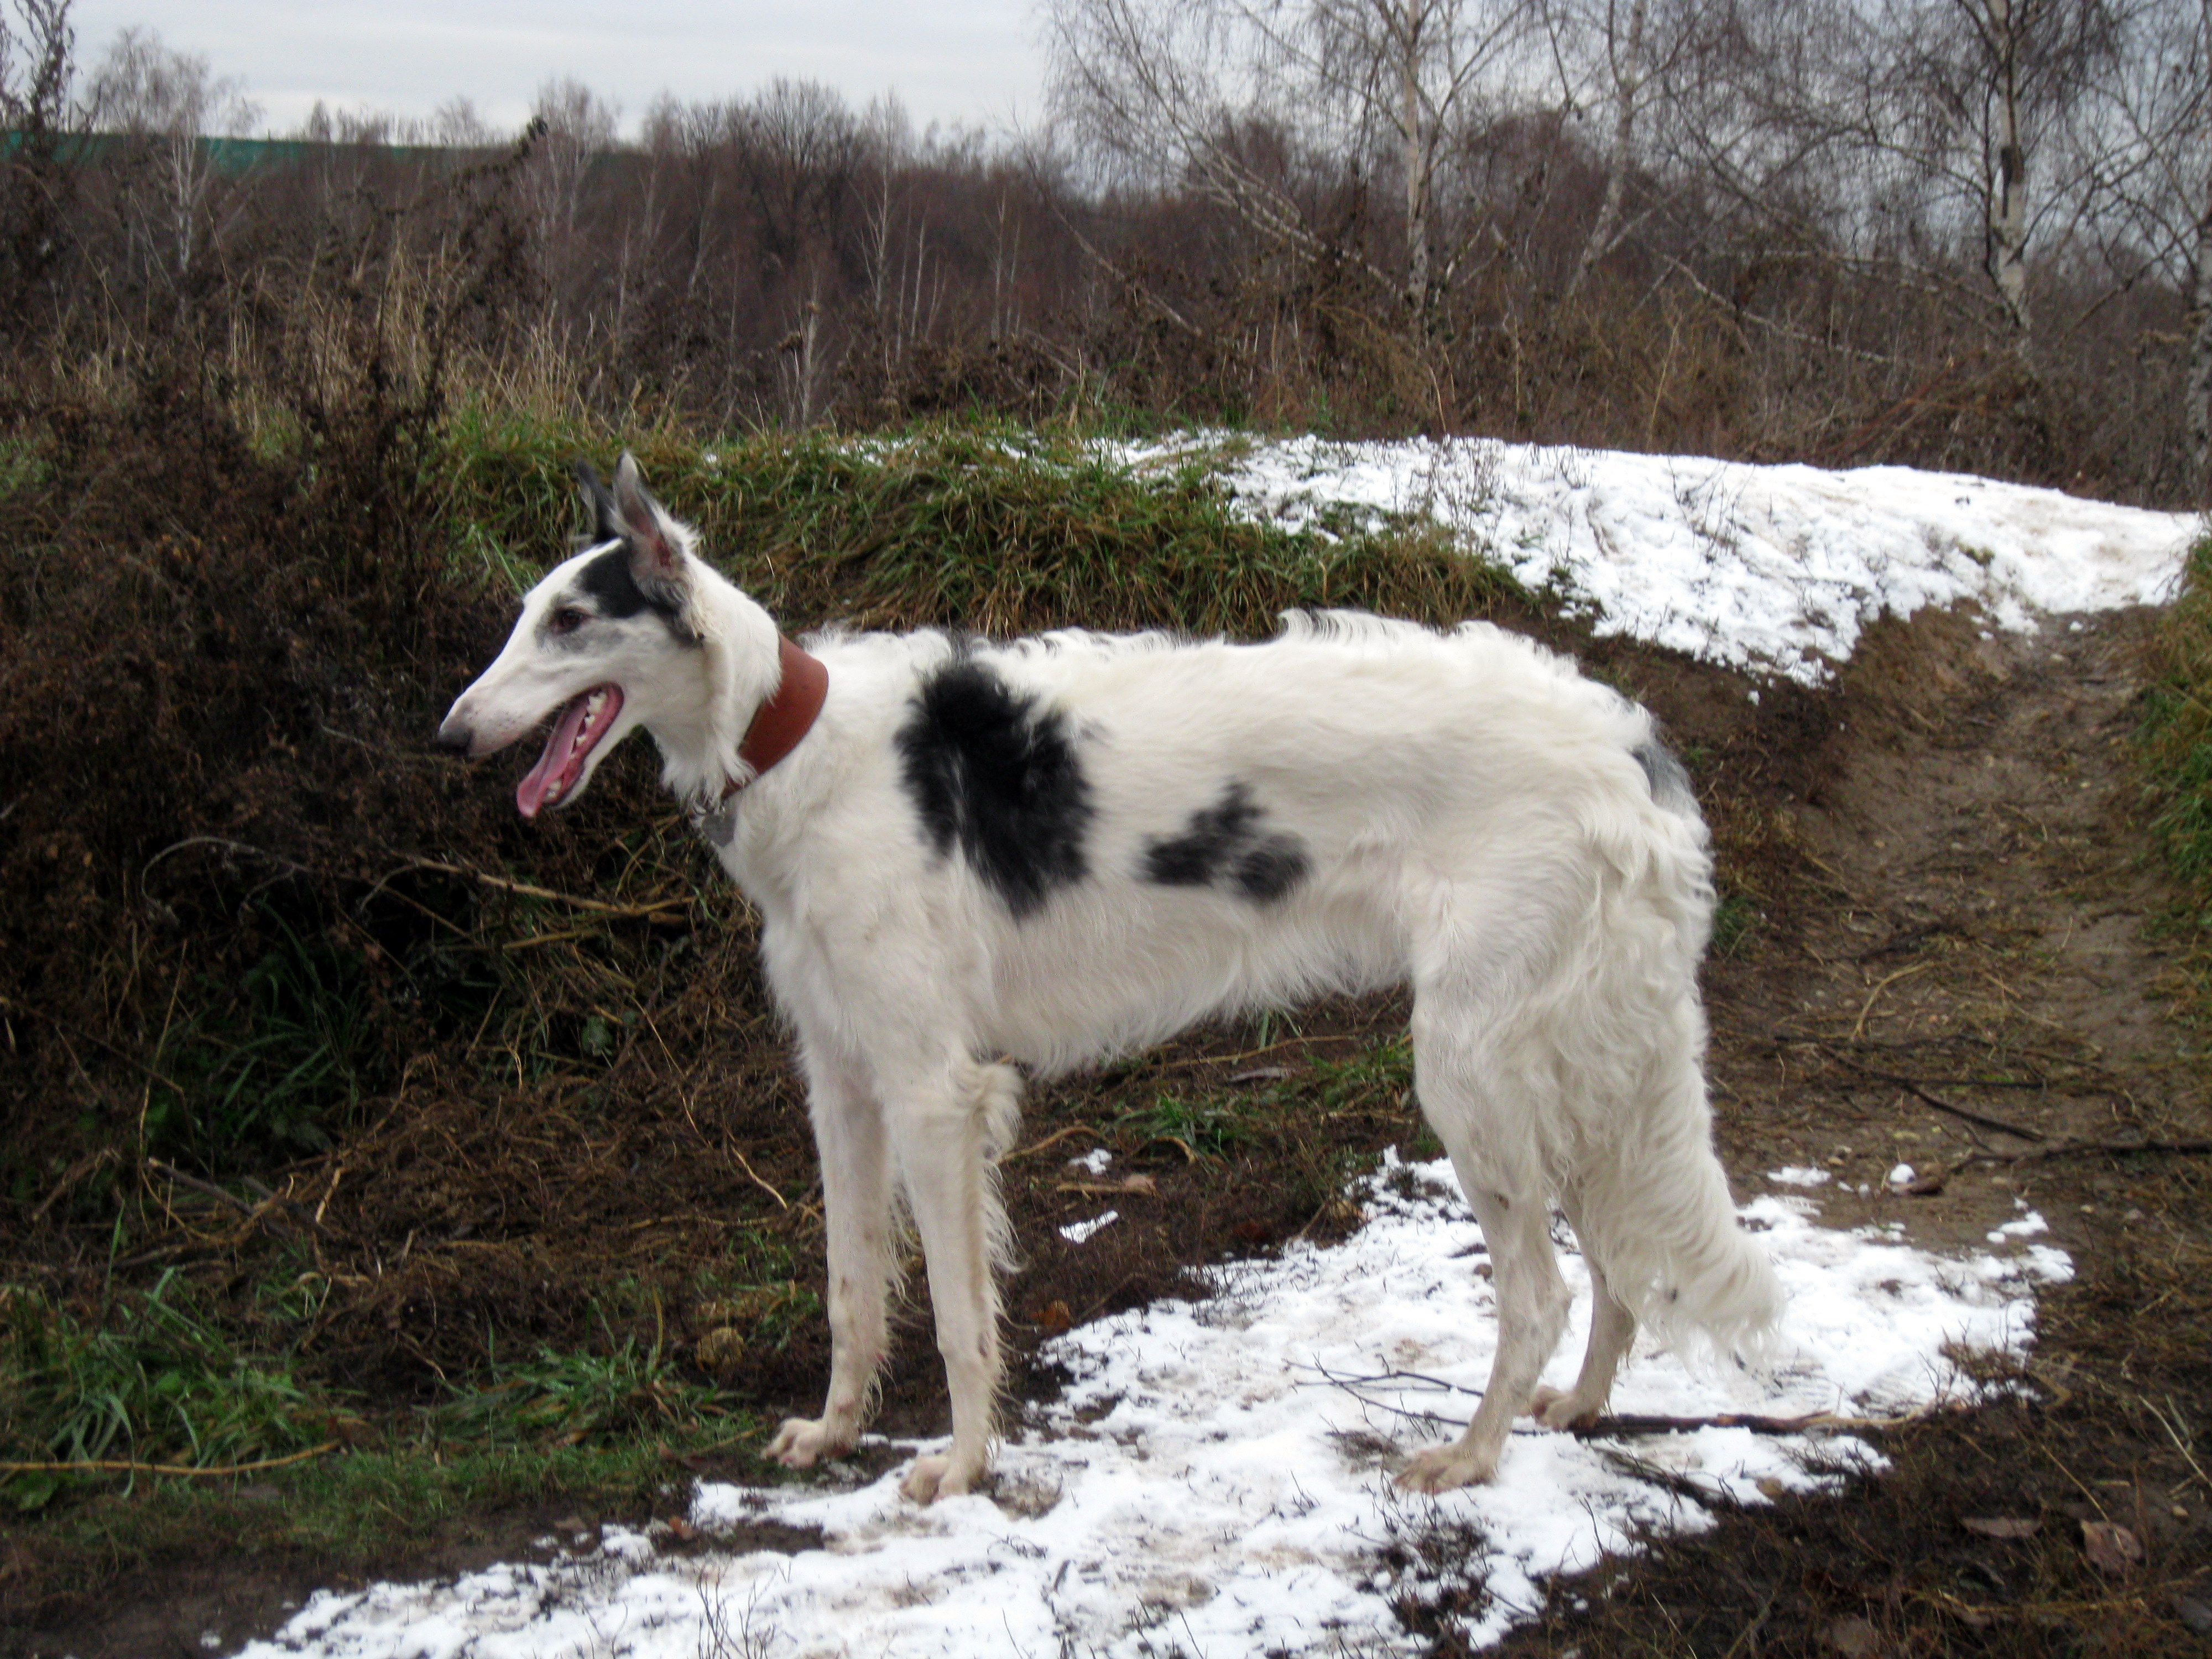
(567, 620)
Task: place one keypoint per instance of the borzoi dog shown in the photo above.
(1061, 849)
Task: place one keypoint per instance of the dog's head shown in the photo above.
(600, 647)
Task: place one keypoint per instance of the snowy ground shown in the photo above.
(1775, 570)
(1216, 1478)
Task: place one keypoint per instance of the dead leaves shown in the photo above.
(2111, 1548)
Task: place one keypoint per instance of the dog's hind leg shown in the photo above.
(1613, 1327)
(1532, 1311)
(1485, 1104)
(856, 1201)
(942, 1130)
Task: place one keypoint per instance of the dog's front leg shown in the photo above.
(938, 1132)
(856, 1201)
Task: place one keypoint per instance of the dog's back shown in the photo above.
(1135, 832)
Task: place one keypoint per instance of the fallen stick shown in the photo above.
(1638, 1422)
(2072, 1148)
(123, 1466)
(1929, 1098)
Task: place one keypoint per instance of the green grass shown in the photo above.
(1203, 1128)
(2175, 749)
(158, 1380)
(568, 1399)
(270, 1071)
(987, 528)
(364, 1506)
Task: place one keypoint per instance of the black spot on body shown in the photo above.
(1270, 870)
(991, 772)
(1225, 845)
(1214, 835)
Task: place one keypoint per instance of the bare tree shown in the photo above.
(574, 125)
(1627, 60)
(1982, 92)
(456, 125)
(1175, 91)
(37, 64)
(172, 99)
(2156, 184)
(37, 60)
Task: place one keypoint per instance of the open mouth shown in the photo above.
(576, 732)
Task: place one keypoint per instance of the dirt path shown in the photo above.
(1968, 937)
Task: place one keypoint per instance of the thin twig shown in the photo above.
(229, 846)
(1874, 995)
(2074, 1148)
(1758, 1422)
(1057, 1135)
(123, 1466)
(781, 1202)
(260, 1211)
(525, 889)
(1927, 1098)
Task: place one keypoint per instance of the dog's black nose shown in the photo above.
(456, 737)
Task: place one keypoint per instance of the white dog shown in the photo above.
(1069, 847)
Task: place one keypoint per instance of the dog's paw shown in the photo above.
(1556, 1408)
(935, 1477)
(1442, 1468)
(804, 1441)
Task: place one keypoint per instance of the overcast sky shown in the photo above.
(976, 64)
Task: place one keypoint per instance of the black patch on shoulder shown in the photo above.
(1270, 869)
(1668, 779)
(988, 770)
(1225, 845)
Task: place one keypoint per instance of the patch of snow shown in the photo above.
(1771, 570)
(1078, 1232)
(1217, 1474)
(1795, 1176)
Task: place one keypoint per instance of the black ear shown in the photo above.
(606, 523)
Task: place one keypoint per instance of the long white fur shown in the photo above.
(1479, 826)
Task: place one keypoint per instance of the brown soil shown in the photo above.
(1940, 947)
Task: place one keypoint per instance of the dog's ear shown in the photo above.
(606, 525)
(656, 542)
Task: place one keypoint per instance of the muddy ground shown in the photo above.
(1941, 944)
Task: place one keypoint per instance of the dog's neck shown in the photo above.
(757, 696)
(788, 716)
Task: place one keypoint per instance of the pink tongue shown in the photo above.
(530, 793)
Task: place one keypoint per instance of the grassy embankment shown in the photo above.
(235, 1077)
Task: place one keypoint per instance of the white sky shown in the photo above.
(975, 65)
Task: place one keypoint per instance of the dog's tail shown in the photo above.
(1655, 1215)
(1652, 1200)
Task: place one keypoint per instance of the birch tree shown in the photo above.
(1173, 90)
(2156, 185)
(176, 102)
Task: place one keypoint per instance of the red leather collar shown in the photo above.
(788, 716)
